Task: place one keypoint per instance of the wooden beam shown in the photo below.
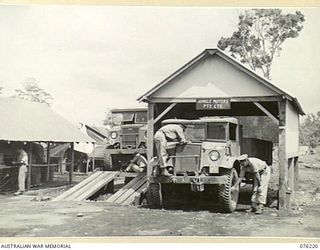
(93, 157)
(48, 161)
(282, 159)
(29, 165)
(150, 135)
(72, 163)
(45, 165)
(290, 180)
(296, 173)
(232, 99)
(264, 110)
(87, 165)
(164, 112)
(156, 110)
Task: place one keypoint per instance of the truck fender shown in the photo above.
(232, 162)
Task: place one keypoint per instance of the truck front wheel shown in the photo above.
(228, 198)
(154, 195)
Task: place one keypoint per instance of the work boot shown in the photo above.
(251, 210)
(164, 172)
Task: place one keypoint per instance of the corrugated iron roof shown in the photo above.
(99, 134)
(22, 120)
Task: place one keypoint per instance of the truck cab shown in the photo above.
(209, 159)
(128, 135)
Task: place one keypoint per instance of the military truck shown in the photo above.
(129, 135)
(207, 164)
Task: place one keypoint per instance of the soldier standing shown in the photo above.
(22, 162)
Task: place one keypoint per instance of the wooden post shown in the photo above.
(290, 181)
(296, 173)
(29, 165)
(87, 165)
(60, 165)
(150, 135)
(282, 157)
(93, 158)
(72, 163)
(48, 161)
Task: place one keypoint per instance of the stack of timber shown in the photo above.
(128, 194)
(87, 187)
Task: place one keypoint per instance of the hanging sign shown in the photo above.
(213, 103)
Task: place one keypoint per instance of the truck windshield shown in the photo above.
(140, 117)
(216, 131)
(122, 118)
(195, 132)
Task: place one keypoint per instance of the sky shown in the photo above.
(94, 58)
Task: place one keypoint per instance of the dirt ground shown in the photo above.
(24, 216)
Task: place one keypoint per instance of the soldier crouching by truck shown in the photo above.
(139, 163)
(261, 172)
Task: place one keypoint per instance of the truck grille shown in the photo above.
(129, 141)
(187, 158)
(130, 131)
(130, 137)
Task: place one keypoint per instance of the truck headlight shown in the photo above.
(214, 155)
(113, 135)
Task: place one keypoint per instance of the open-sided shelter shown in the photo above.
(215, 84)
(28, 122)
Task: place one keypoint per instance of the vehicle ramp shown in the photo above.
(87, 187)
(127, 195)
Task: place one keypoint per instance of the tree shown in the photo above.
(260, 35)
(112, 119)
(310, 130)
(32, 92)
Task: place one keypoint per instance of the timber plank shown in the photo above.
(130, 191)
(78, 186)
(120, 192)
(98, 185)
(130, 199)
(84, 188)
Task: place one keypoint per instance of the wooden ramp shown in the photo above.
(87, 187)
(127, 194)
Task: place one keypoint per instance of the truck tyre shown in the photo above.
(228, 199)
(154, 198)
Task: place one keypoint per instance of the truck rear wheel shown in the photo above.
(154, 198)
(228, 198)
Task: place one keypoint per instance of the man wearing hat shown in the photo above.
(167, 133)
(261, 172)
(139, 163)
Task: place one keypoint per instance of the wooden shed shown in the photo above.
(215, 84)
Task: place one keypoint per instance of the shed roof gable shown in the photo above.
(215, 74)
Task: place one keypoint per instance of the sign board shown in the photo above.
(213, 103)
